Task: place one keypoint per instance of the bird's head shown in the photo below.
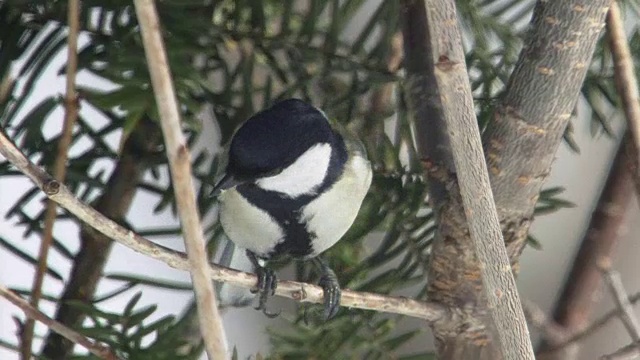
(286, 148)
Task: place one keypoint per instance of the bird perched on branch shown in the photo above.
(292, 187)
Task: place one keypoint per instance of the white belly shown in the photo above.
(328, 217)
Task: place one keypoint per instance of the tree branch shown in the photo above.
(589, 329)
(59, 167)
(520, 144)
(626, 84)
(6, 84)
(180, 165)
(429, 311)
(95, 348)
(628, 352)
(625, 311)
(620, 296)
(538, 319)
(576, 302)
(88, 264)
(438, 60)
(627, 87)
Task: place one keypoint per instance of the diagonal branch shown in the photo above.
(439, 62)
(628, 352)
(6, 84)
(549, 329)
(625, 310)
(59, 167)
(520, 143)
(576, 302)
(627, 315)
(180, 165)
(626, 84)
(588, 330)
(34, 314)
(428, 311)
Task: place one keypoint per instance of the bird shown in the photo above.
(292, 187)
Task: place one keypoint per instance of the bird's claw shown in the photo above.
(267, 283)
(332, 293)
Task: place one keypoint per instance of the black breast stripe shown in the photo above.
(287, 212)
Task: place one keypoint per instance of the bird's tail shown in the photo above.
(234, 257)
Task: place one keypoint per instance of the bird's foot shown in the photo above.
(331, 290)
(267, 283)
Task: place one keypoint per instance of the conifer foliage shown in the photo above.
(229, 59)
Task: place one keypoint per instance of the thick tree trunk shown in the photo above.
(520, 144)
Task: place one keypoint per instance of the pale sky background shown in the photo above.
(542, 272)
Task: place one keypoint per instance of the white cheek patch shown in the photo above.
(303, 176)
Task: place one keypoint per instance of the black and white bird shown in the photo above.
(292, 187)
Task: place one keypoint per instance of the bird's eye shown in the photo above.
(272, 172)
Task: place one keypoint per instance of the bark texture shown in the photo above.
(440, 68)
(90, 260)
(519, 144)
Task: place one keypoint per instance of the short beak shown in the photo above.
(227, 182)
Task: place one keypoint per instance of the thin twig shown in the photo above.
(95, 348)
(539, 320)
(626, 83)
(59, 169)
(623, 310)
(429, 311)
(628, 352)
(620, 296)
(180, 165)
(6, 84)
(556, 334)
(381, 104)
(591, 328)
